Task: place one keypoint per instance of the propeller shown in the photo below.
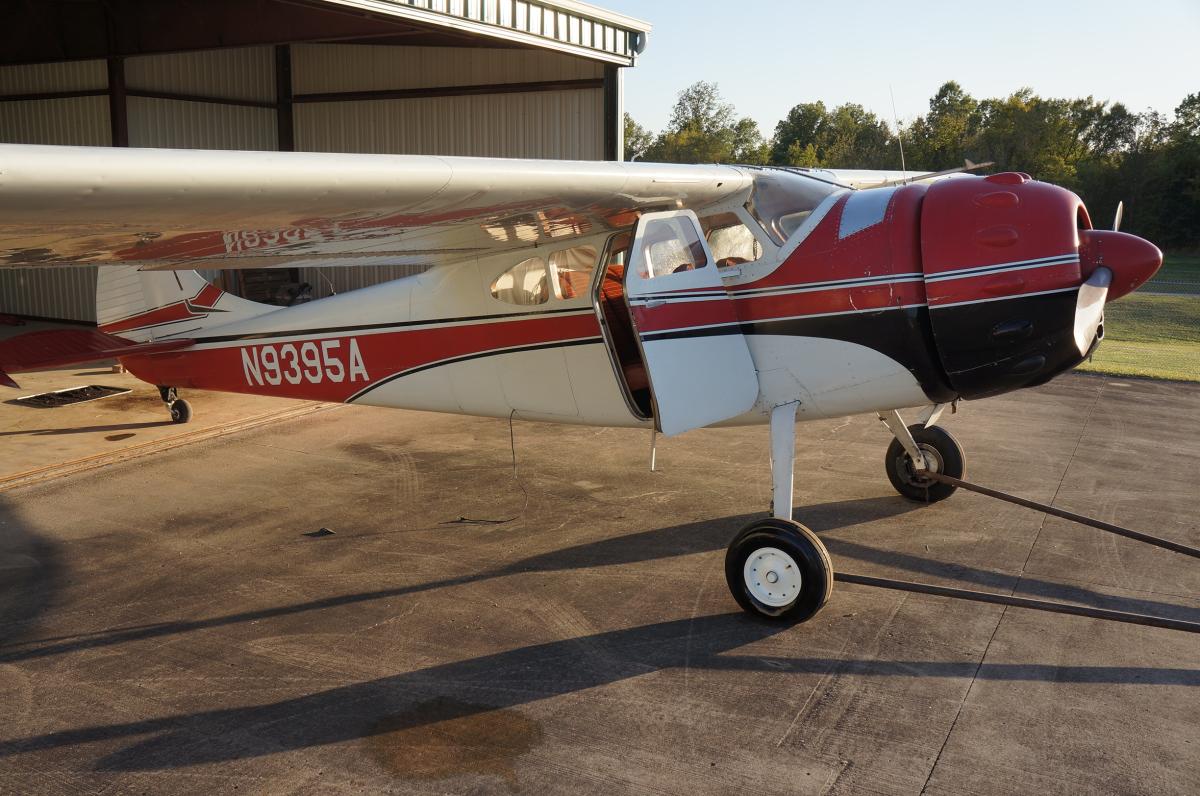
(1089, 307)
(1120, 215)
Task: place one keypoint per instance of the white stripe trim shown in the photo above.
(826, 286)
(843, 312)
(1003, 298)
(1017, 265)
(833, 283)
(785, 318)
(642, 300)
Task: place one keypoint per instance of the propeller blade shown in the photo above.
(1120, 215)
(1089, 308)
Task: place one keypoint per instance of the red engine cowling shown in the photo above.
(1002, 270)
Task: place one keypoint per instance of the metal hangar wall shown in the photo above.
(489, 78)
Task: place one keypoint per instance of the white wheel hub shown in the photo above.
(772, 577)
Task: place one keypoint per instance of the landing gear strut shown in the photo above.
(917, 450)
(181, 410)
(776, 568)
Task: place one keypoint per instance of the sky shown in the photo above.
(769, 55)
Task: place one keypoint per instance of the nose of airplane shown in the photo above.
(1131, 259)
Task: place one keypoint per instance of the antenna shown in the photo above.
(899, 134)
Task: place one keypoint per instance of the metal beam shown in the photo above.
(54, 95)
(285, 123)
(453, 91)
(118, 107)
(612, 113)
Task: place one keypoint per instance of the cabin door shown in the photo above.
(699, 365)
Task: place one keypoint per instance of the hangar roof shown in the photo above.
(66, 30)
(568, 25)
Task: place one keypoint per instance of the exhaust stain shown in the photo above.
(445, 738)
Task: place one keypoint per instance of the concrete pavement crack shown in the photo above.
(1016, 584)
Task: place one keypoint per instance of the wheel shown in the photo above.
(779, 570)
(181, 411)
(943, 454)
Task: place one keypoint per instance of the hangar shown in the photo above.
(489, 78)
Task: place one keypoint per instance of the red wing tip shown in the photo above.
(7, 381)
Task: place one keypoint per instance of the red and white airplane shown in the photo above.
(610, 294)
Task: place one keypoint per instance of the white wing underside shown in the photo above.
(186, 209)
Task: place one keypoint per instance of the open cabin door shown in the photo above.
(699, 365)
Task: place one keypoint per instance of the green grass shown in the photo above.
(1180, 273)
(1155, 336)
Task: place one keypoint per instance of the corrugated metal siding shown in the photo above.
(174, 124)
(75, 121)
(244, 74)
(566, 125)
(324, 68)
(38, 78)
(66, 293)
(328, 281)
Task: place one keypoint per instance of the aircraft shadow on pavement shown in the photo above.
(527, 674)
(655, 544)
(31, 572)
(57, 432)
(510, 679)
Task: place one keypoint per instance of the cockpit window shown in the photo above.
(671, 246)
(730, 241)
(782, 201)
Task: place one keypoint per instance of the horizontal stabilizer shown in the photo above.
(61, 347)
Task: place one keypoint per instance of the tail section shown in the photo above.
(142, 306)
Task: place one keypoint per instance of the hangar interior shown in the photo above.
(488, 78)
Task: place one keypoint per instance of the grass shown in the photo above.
(1180, 273)
(1154, 336)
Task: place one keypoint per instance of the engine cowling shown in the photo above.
(1004, 259)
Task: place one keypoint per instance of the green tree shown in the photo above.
(849, 136)
(946, 135)
(637, 138)
(795, 142)
(704, 128)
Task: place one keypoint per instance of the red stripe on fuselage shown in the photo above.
(748, 309)
(383, 354)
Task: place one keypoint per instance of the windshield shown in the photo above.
(782, 200)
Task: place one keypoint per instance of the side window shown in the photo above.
(524, 284)
(731, 242)
(571, 271)
(671, 246)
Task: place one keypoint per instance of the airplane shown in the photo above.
(637, 295)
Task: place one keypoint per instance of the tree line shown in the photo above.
(1102, 151)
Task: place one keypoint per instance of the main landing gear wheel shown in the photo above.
(779, 570)
(181, 411)
(942, 453)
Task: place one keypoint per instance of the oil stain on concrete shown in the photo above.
(444, 738)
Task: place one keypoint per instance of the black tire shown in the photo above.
(181, 411)
(804, 596)
(946, 457)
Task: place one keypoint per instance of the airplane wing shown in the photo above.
(185, 209)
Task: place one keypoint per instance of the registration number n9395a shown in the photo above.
(313, 362)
